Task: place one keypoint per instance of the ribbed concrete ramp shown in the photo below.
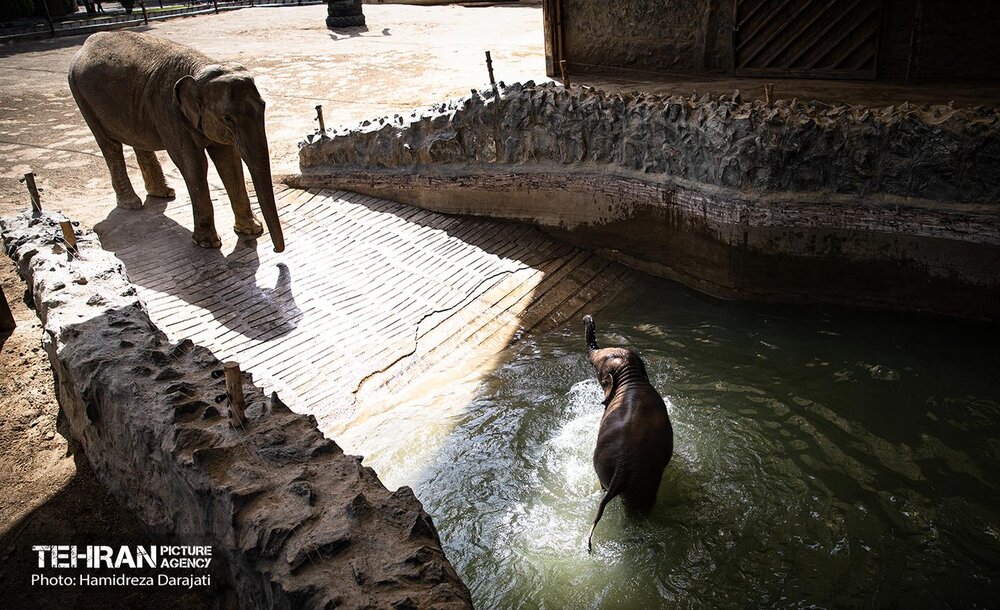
(368, 295)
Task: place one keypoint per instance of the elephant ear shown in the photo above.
(610, 384)
(188, 100)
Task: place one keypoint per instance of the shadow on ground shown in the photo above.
(153, 248)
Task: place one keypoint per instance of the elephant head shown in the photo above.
(612, 364)
(221, 102)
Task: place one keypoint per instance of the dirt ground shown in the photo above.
(407, 57)
(50, 495)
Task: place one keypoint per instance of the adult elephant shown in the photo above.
(635, 440)
(153, 94)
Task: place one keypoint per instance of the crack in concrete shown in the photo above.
(416, 335)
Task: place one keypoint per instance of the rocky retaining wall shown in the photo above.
(892, 206)
(298, 523)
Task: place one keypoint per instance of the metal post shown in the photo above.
(319, 117)
(48, 16)
(560, 41)
(769, 94)
(489, 68)
(234, 388)
(33, 191)
(68, 235)
(916, 31)
(562, 70)
(145, 18)
(216, 3)
(7, 323)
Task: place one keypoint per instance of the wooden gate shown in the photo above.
(806, 38)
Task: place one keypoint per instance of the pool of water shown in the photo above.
(823, 456)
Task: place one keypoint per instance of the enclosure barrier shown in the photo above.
(773, 201)
(295, 521)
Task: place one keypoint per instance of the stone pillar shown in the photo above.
(344, 14)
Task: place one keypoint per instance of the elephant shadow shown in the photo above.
(160, 255)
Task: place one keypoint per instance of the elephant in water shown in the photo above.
(153, 94)
(636, 440)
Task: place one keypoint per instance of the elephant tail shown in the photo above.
(614, 488)
(588, 325)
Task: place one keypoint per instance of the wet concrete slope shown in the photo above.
(368, 296)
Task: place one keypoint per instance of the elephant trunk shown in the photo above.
(588, 325)
(258, 161)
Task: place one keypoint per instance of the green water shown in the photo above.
(822, 456)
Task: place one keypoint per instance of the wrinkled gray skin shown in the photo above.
(636, 440)
(153, 94)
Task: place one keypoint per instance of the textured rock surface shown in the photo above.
(892, 207)
(929, 152)
(297, 523)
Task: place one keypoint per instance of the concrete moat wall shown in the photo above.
(298, 523)
(894, 207)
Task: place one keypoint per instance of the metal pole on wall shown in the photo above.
(48, 17)
(489, 69)
(913, 61)
(319, 117)
(560, 33)
(234, 389)
(33, 192)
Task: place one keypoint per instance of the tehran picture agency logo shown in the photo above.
(147, 558)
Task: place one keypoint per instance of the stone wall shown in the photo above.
(298, 523)
(956, 38)
(664, 35)
(929, 152)
(737, 199)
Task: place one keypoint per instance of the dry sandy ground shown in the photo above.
(408, 57)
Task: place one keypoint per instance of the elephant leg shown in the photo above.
(194, 167)
(152, 174)
(230, 166)
(115, 158)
